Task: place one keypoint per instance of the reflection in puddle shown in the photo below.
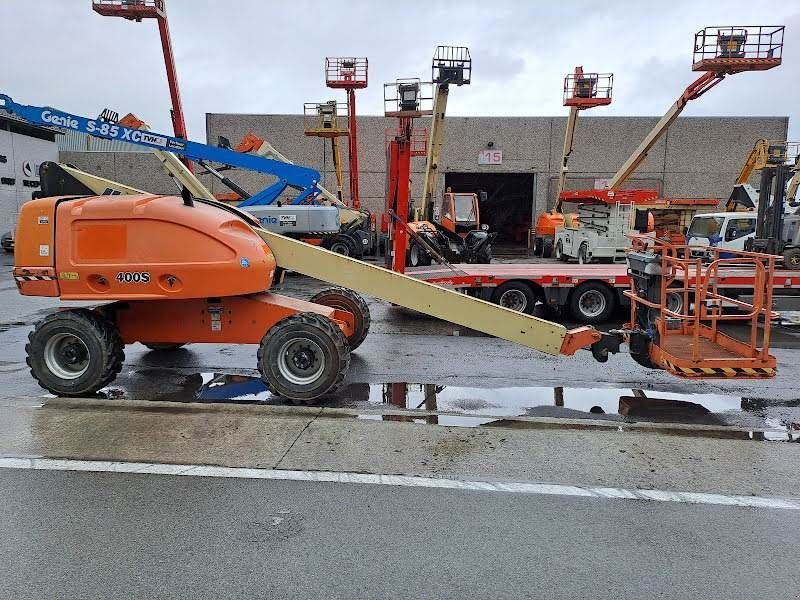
(470, 407)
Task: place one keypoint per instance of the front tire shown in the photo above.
(583, 254)
(417, 256)
(74, 352)
(791, 259)
(348, 300)
(303, 357)
(345, 245)
(560, 252)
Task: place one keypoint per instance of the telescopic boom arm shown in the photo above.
(303, 179)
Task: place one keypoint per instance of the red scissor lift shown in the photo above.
(349, 74)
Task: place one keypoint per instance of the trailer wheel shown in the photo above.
(515, 295)
(547, 249)
(344, 299)
(592, 302)
(303, 357)
(417, 256)
(74, 352)
(791, 259)
(560, 252)
(163, 346)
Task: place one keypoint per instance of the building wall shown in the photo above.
(698, 157)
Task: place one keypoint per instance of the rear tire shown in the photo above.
(345, 245)
(583, 254)
(791, 259)
(547, 249)
(538, 246)
(592, 302)
(74, 352)
(303, 357)
(515, 295)
(417, 256)
(560, 252)
(344, 299)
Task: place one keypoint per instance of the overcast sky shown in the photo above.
(259, 56)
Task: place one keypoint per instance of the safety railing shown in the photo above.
(691, 302)
(586, 90)
(734, 48)
(419, 139)
(135, 10)
(346, 72)
(325, 119)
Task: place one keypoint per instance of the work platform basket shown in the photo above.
(408, 98)
(133, 10)
(419, 139)
(325, 119)
(346, 73)
(737, 48)
(451, 64)
(587, 90)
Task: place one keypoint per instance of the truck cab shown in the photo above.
(727, 230)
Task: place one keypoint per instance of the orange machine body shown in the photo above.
(138, 247)
(166, 272)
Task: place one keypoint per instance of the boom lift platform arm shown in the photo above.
(303, 179)
(718, 52)
(161, 294)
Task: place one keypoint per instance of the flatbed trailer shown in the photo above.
(590, 293)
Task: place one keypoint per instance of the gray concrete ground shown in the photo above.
(90, 535)
(503, 413)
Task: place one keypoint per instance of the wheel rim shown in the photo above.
(66, 356)
(340, 248)
(559, 250)
(414, 258)
(592, 303)
(513, 299)
(301, 361)
(794, 260)
(675, 302)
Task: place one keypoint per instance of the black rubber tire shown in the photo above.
(559, 252)
(547, 249)
(791, 259)
(325, 335)
(344, 299)
(598, 289)
(515, 295)
(538, 246)
(583, 254)
(639, 348)
(417, 256)
(345, 245)
(163, 346)
(101, 343)
(485, 257)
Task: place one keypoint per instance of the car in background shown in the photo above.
(7, 242)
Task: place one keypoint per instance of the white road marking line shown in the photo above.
(102, 466)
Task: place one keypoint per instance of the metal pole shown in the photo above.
(352, 148)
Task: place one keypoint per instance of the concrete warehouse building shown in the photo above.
(698, 157)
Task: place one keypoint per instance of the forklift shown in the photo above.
(450, 226)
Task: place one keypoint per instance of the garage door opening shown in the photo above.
(508, 206)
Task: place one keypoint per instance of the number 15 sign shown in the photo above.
(490, 157)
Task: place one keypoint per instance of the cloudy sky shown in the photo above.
(266, 56)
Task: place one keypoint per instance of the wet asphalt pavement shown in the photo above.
(111, 535)
(90, 535)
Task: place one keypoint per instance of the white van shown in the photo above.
(727, 230)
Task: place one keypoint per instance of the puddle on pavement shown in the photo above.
(472, 407)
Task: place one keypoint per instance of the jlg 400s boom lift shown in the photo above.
(175, 270)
